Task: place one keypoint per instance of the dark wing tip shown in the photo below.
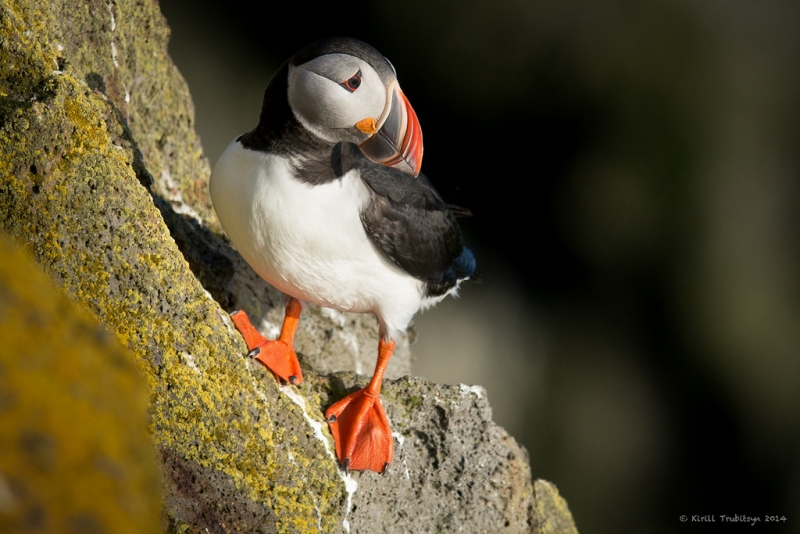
(458, 211)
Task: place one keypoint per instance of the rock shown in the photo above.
(454, 470)
(103, 181)
(75, 455)
(551, 513)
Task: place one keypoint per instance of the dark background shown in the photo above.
(633, 171)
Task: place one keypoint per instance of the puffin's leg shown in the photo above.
(359, 425)
(278, 355)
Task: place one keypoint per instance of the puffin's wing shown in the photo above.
(408, 221)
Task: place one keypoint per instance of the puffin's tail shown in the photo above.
(464, 266)
(461, 269)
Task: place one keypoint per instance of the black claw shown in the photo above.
(346, 464)
(293, 379)
(385, 468)
(332, 419)
(255, 352)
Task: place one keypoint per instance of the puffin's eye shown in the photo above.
(353, 82)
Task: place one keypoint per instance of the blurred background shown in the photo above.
(633, 170)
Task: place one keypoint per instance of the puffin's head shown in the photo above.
(342, 89)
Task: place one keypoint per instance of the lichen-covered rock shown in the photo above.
(75, 454)
(70, 193)
(551, 513)
(103, 181)
(454, 469)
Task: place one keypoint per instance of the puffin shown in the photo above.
(324, 199)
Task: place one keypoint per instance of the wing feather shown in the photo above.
(407, 219)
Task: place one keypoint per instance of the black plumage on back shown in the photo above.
(408, 220)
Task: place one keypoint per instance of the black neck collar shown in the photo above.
(314, 160)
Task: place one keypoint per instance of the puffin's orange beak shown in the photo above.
(398, 141)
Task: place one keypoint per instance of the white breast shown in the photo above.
(308, 241)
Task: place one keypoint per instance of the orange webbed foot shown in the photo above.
(281, 359)
(278, 355)
(361, 432)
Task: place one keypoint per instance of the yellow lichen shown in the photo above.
(74, 447)
(88, 221)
